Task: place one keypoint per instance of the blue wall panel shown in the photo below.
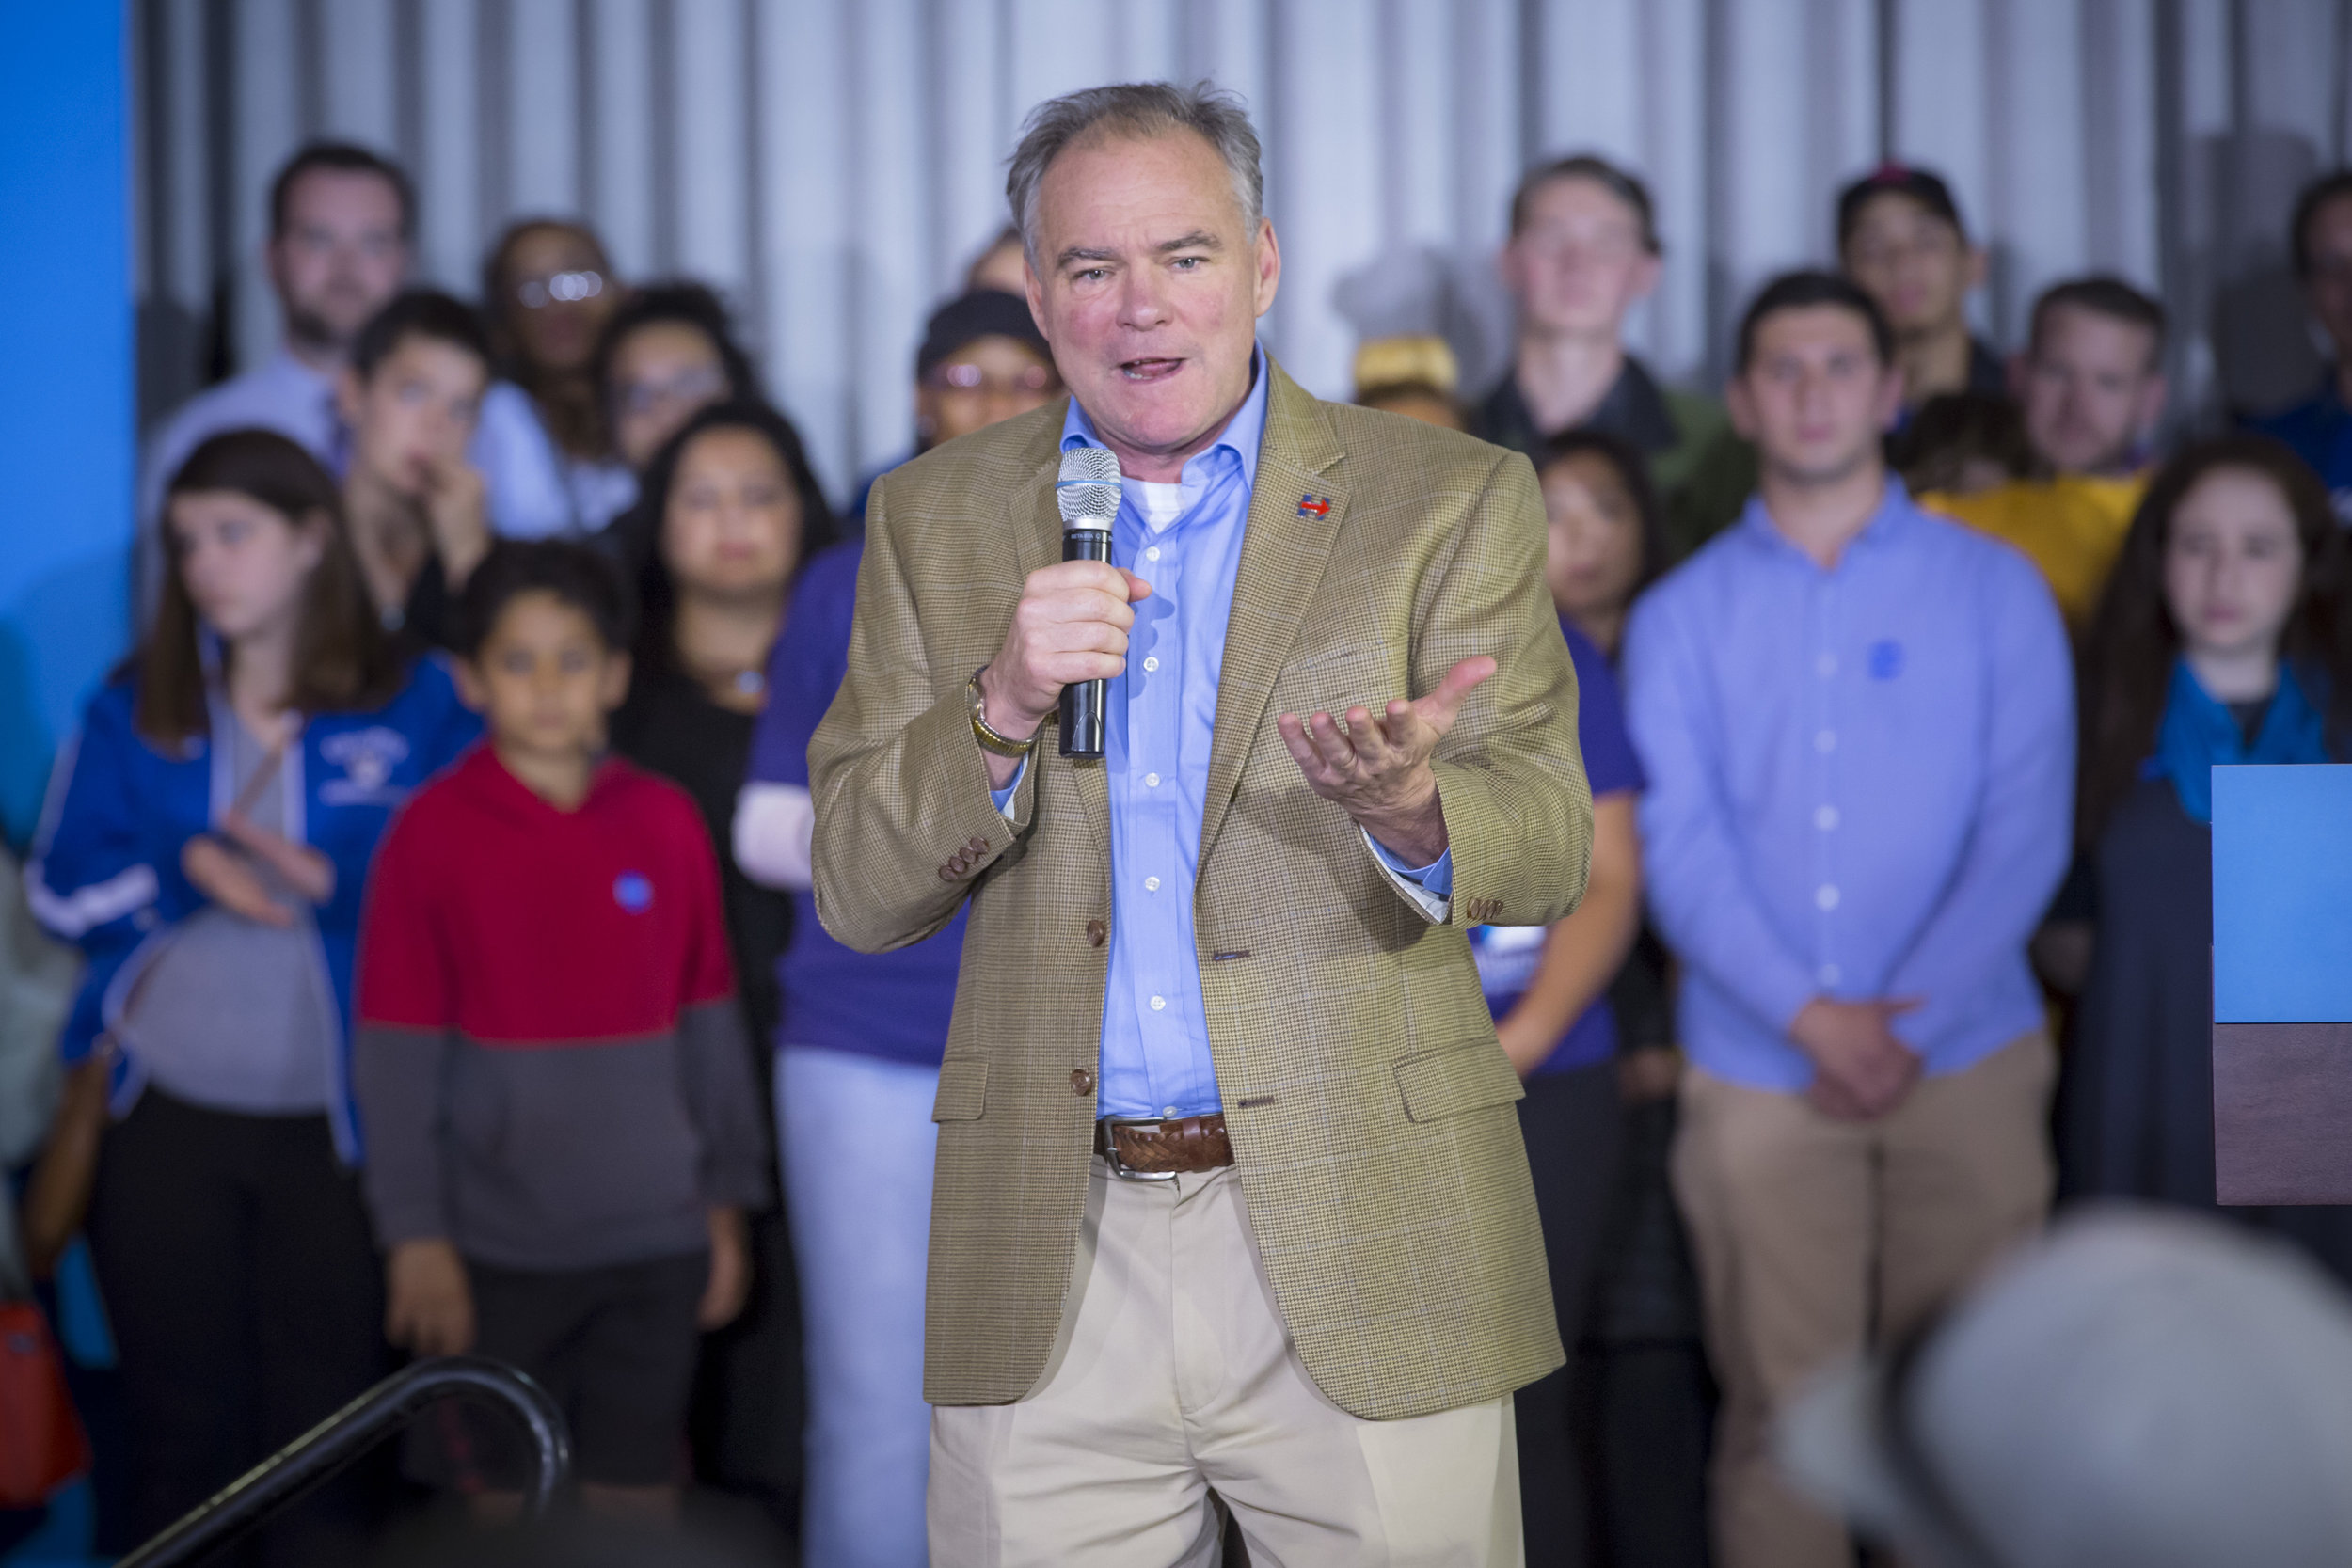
(66, 442)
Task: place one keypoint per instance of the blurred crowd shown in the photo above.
(391, 1039)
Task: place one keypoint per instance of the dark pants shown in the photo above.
(248, 1304)
(1569, 1121)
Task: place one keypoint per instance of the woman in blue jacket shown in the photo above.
(207, 842)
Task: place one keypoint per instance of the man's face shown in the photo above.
(2328, 241)
(1914, 263)
(1149, 289)
(1815, 398)
(1578, 264)
(340, 257)
(416, 414)
(2090, 389)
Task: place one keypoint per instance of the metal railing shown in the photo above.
(319, 1454)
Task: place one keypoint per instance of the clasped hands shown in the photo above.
(1861, 1072)
(222, 867)
(1072, 624)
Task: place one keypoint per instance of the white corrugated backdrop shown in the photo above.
(832, 164)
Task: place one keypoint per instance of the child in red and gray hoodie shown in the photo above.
(556, 1093)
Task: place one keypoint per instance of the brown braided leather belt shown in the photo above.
(1156, 1151)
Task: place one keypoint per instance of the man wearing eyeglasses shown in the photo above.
(2320, 428)
(981, 361)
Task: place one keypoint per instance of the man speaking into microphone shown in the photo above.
(1231, 1204)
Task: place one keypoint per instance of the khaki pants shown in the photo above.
(1817, 1237)
(1173, 1378)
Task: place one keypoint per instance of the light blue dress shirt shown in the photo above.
(1160, 725)
(1861, 785)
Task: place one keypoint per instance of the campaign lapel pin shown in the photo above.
(1314, 506)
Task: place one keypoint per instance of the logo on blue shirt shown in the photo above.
(633, 892)
(1886, 660)
(367, 758)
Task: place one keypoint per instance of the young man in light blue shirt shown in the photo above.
(1858, 724)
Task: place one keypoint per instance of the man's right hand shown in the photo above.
(429, 1307)
(1070, 625)
(457, 509)
(1860, 1070)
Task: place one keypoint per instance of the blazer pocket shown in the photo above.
(1446, 1082)
(963, 1089)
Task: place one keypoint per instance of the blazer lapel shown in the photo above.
(1035, 516)
(1284, 549)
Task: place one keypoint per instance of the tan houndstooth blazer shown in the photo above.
(1368, 1104)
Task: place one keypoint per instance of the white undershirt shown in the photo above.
(1160, 505)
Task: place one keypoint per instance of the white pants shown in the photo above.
(857, 1143)
(1174, 1377)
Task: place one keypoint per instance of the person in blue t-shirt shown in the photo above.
(857, 1068)
(2320, 427)
(1549, 989)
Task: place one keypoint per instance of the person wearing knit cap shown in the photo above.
(982, 360)
(862, 1034)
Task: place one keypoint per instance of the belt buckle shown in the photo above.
(1119, 1168)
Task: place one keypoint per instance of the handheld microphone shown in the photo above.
(1087, 492)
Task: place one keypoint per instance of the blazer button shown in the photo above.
(1081, 1082)
(1097, 933)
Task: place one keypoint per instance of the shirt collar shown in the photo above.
(284, 364)
(1242, 436)
(1634, 409)
(1895, 509)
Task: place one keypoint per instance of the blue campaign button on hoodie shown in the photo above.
(633, 892)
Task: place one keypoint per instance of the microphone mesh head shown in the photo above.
(1087, 489)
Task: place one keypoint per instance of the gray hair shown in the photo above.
(1136, 109)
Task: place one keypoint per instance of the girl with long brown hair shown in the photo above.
(207, 843)
(2225, 637)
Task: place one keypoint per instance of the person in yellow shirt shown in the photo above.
(2091, 386)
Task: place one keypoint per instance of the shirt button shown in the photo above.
(1825, 665)
(1829, 974)
(1096, 933)
(1825, 896)
(1150, 780)
(1151, 884)
(1167, 1112)
(1825, 740)
(1151, 554)
(1825, 818)
(1159, 1003)
(1151, 663)
(1081, 1082)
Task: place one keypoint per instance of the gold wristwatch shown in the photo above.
(990, 738)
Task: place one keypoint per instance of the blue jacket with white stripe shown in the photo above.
(106, 869)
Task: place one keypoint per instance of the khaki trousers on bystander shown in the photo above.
(1815, 1237)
